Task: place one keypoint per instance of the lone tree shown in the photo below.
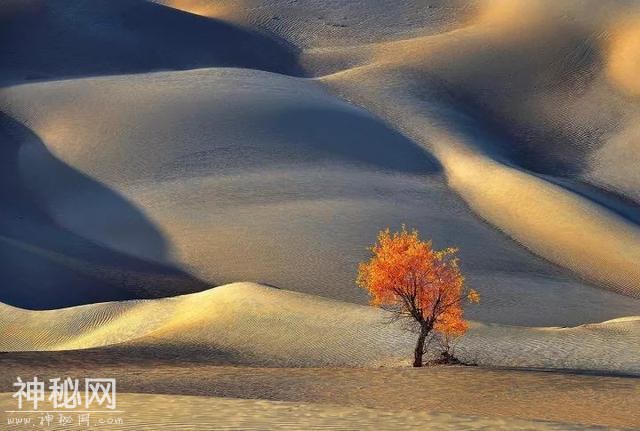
(406, 276)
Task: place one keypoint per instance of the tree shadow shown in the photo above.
(44, 265)
(53, 39)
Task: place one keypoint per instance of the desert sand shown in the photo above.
(217, 343)
(120, 182)
(489, 396)
(155, 153)
(147, 411)
(250, 324)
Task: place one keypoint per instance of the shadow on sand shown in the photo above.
(53, 39)
(45, 266)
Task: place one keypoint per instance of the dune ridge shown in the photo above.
(247, 323)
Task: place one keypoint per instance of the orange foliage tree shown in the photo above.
(407, 276)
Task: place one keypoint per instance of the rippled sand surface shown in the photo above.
(342, 397)
(175, 412)
(251, 324)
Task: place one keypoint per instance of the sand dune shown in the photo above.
(143, 183)
(207, 170)
(496, 140)
(281, 327)
(245, 323)
(61, 38)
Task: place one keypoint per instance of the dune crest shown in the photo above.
(219, 10)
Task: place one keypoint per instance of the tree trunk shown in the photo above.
(419, 352)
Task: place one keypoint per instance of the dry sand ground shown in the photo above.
(147, 412)
(159, 148)
(496, 398)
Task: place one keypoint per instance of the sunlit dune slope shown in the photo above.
(253, 324)
(231, 174)
(533, 130)
(245, 321)
(212, 9)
